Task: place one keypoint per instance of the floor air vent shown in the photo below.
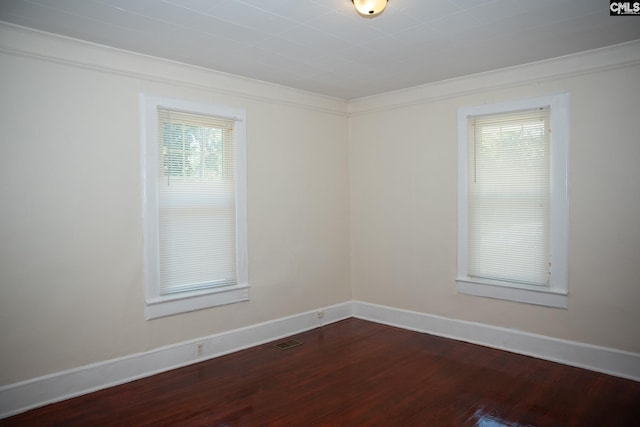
(286, 345)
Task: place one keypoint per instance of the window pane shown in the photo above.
(196, 202)
(509, 197)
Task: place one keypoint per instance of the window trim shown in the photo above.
(157, 305)
(556, 293)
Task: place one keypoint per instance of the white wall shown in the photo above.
(403, 170)
(342, 206)
(70, 217)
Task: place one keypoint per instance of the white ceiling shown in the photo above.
(323, 46)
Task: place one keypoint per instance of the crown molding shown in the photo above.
(592, 61)
(26, 42)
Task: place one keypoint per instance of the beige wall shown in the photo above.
(403, 170)
(339, 208)
(70, 217)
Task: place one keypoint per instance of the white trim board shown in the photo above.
(26, 42)
(36, 392)
(609, 361)
(534, 73)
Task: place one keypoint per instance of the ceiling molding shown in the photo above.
(593, 61)
(325, 47)
(29, 43)
(26, 42)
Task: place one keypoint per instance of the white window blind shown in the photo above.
(196, 201)
(509, 197)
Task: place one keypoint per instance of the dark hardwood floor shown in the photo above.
(358, 373)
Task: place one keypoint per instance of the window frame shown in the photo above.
(156, 304)
(555, 294)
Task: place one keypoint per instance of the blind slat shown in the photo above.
(196, 201)
(509, 197)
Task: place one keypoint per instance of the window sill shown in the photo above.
(521, 293)
(183, 303)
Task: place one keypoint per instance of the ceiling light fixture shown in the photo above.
(369, 8)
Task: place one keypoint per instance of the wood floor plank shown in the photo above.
(358, 373)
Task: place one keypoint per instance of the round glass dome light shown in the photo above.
(369, 7)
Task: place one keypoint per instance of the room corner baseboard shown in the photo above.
(595, 358)
(20, 397)
(36, 392)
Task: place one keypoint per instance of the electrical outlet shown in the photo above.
(320, 314)
(199, 349)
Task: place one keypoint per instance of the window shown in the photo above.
(512, 200)
(194, 179)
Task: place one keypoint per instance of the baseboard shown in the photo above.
(36, 392)
(595, 358)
